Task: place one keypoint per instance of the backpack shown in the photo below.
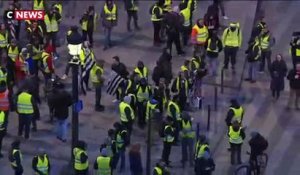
(213, 44)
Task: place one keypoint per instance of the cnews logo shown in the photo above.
(25, 14)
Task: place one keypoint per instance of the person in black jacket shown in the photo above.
(294, 78)
(60, 101)
(163, 69)
(278, 70)
(214, 47)
(119, 67)
(15, 157)
(254, 52)
(131, 6)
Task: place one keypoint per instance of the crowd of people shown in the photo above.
(163, 104)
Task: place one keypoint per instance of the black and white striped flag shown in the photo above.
(113, 82)
(86, 67)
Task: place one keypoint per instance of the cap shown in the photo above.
(153, 101)
(104, 152)
(253, 134)
(127, 99)
(116, 58)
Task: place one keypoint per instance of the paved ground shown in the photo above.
(279, 126)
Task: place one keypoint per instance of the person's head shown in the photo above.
(100, 63)
(103, 152)
(41, 151)
(200, 22)
(117, 125)
(136, 148)
(16, 144)
(234, 102)
(24, 52)
(127, 99)
(202, 139)
(235, 123)
(111, 132)
(278, 57)
(175, 9)
(91, 9)
(140, 64)
(109, 2)
(74, 28)
(182, 6)
(160, 3)
(186, 116)
(169, 120)
(233, 26)
(298, 66)
(254, 134)
(81, 144)
(13, 42)
(116, 60)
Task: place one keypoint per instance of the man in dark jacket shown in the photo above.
(131, 6)
(254, 53)
(119, 67)
(173, 22)
(294, 78)
(60, 101)
(214, 47)
(163, 68)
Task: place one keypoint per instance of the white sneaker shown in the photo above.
(225, 17)
(64, 77)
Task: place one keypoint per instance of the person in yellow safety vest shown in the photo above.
(38, 5)
(103, 163)
(15, 157)
(51, 21)
(26, 107)
(109, 17)
(81, 163)
(141, 70)
(260, 26)
(236, 136)
(201, 147)
(35, 31)
(185, 68)
(131, 83)
(37, 51)
(132, 11)
(214, 47)
(3, 75)
(156, 12)
(253, 58)
(3, 128)
(235, 112)
(3, 39)
(168, 140)
(267, 41)
(295, 48)
(127, 114)
(41, 164)
(180, 87)
(88, 24)
(192, 5)
(97, 79)
(232, 41)
(151, 107)
(58, 6)
(195, 63)
(167, 6)
(4, 111)
(161, 93)
(47, 64)
(199, 37)
(187, 139)
(174, 111)
(143, 94)
(185, 12)
(122, 141)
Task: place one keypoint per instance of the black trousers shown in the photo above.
(18, 171)
(186, 31)
(88, 36)
(230, 55)
(174, 37)
(82, 172)
(275, 93)
(295, 60)
(132, 14)
(235, 153)
(265, 56)
(182, 101)
(36, 67)
(98, 95)
(51, 36)
(166, 152)
(141, 114)
(85, 81)
(24, 122)
(157, 28)
(2, 135)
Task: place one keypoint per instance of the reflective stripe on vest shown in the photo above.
(177, 109)
(14, 163)
(24, 104)
(122, 107)
(38, 53)
(232, 38)
(119, 140)
(111, 15)
(84, 25)
(167, 5)
(93, 74)
(3, 39)
(103, 165)
(2, 119)
(158, 170)
(184, 68)
(200, 150)
(13, 53)
(51, 24)
(216, 50)
(185, 85)
(194, 63)
(153, 15)
(38, 6)
(143, 74)
(168, 138)
(202, 33)
(4, 101)
(142, 95)
(259, 50)
(298, 52)
(237, 113)
(186, 13)
(77, 162)
(187, 130)
(134, 7)
(129, 84)
(3, 76)
(43, 165)
(265, 42)
(234, 137)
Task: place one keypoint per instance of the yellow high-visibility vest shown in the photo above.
(184, 68)
(13, 162)
(103, 165)
(158, 170)
(51, 24)
(143, 74)
(200, 149)
(59, 7)
(38, 53)
(216, 50)
(186, 85)
(45, 56)
(119, 140)
(93, 73)
(234, 136)
(134, 6)
(194, 63)
(24, 105)
(111, 15)
(122, 107)
(186, 13)
(298, 52)
(232, 39)
(2, 119)
(13, 53)
(3, 76)
(3, 40)
(264, 42)
(149, 109)
(77, 162)
(187, 130)
(38, 6)
(168, 5)
(169, 138)
(177, 109)
(238, 113)
(259, 50)
(83, 55)
(43, 165)
(84, 24)
(142, 95)
(202, 34)
(153, 15)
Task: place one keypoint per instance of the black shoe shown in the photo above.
(138, 28)
(248, 79)
(99, 108)
(181, 53)
(1, 155)
(88, 89)
(33, 129)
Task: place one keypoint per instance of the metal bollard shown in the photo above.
(208, 118)
(216, 98)
(198, 130)
(222, 81)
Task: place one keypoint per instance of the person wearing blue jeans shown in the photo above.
(254, 53)
(61, 130)
(214, 47)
